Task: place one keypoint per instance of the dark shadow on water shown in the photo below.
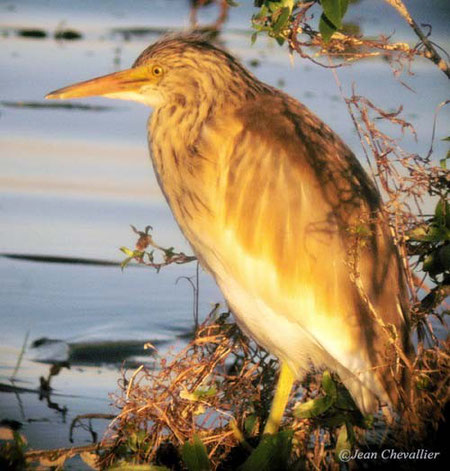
(60, 259)
(38, 33)
(62, 106)
(11, 388)
(138, 32)
(95, 353)
(68, 35)
(100, 353)
(34, 33)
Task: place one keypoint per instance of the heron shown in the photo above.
(279, 211)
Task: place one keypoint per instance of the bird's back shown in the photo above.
(279, 210)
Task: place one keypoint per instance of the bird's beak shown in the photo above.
(121, 84)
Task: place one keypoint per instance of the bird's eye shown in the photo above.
(157, 71)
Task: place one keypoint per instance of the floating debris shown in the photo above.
(128, 33)
(32, 33)
(68, 35)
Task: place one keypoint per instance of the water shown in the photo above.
(73, 180)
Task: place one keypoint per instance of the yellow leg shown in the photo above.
(282, 391)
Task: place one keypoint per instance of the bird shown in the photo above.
(280, 212)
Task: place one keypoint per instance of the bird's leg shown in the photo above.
(282, 391)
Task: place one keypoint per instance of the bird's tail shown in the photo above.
(388, 384)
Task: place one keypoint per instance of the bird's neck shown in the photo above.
(176, 136)
(200, 100)
(187, 135)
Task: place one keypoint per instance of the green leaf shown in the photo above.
(444, 257)
(125, 466)
(443, 162)
(344, 7)
(274, 6)
(442, 213)
(128, 252)
(432, 264)
(369, 421)
(319, 405)
(334, 10)
(232, 3)
(261, 14)
(423, 382)
(418, 232)
(135, 440)
(195, 456)
(19, 440)
(125, 262)
(313, 407)
(441, 232)
(345, 401)
(282, 20)
(272, 452)
(150, 256)
(329, 386)
(430, 233)
(169, 253)
(249, 424)
(204, 392)
(326, 28)
(343, 441)
(254, 38)
(331, 18)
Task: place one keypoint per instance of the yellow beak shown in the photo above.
(114, 85)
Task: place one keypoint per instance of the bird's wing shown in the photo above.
(299, 221)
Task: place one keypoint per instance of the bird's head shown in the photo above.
(181, 69)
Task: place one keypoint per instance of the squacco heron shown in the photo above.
(278, 209)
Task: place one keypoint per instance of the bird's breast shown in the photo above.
(188, 166)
